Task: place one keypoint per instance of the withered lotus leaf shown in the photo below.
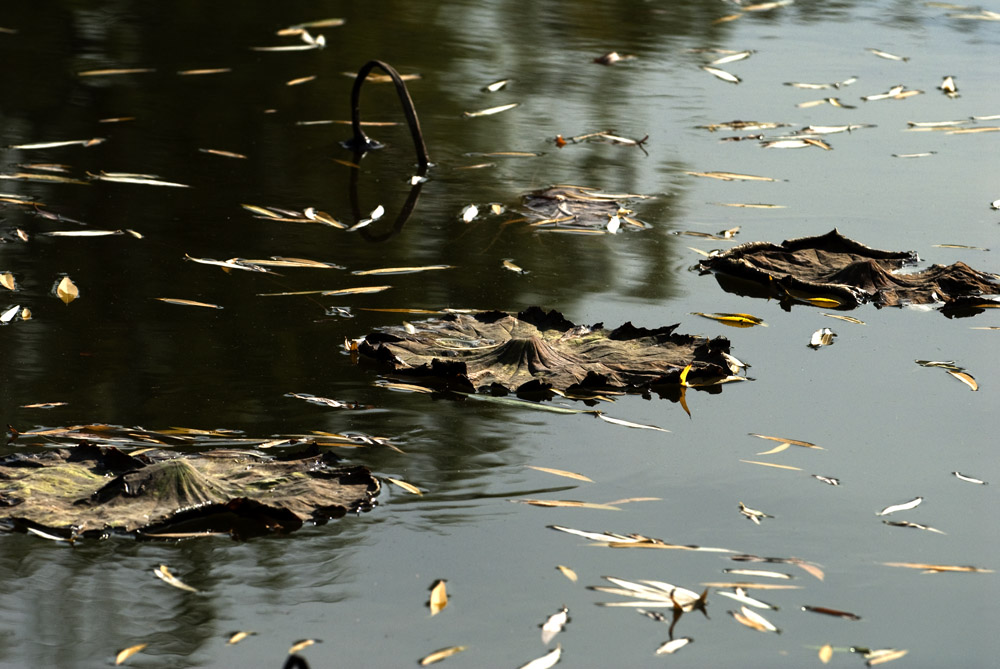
(535, 352)
(96, 490)
(834, 271)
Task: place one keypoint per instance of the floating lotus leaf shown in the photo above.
(833, 271)
(95, 490)
(535, 352)
(579, 208)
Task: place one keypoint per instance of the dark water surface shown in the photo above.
(890, 430)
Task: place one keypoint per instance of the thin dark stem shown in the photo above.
(361, 142)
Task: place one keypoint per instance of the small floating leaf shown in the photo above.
(935, 568)
(400, 270)
(439, 597)
(67, 291)
(968, 479)
(442, 654)
(849, 319)
(554, 624)
(236, 637)
(566, 504)
(568, 573)
(507, 264)
(825, 653)
(491, 110)
(905, 506)
(772, 464)
(7, 281)
(353, 291)
(822, 337)
(793, 442)
(546, 661)
(876, 657)
(302, 645)
(730, 176)
(832, 612)
(163, 573)
(674, 645)
(126, 653)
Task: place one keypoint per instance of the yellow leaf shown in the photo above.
(163, 573)
(239, 636)
(684, 376)
(777, 449)
(442, 654)
(965, 378)
(793, 442)
(566, 504)
(355, 291)
(736, 320)
(439, 597)
(7, 280)
(401, 270)
(128, 652)
(408, 487)
(562, 472)
(188, 303)
(67, 290)
(877, 657)
(771, 464)
(825, 653)
(567, 572)
(301, 645)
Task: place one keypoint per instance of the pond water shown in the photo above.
(890, 429)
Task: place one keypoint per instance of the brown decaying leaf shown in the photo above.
(439, 655)
(126, 653)
(439, 597)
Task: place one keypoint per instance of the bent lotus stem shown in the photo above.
(360, 142)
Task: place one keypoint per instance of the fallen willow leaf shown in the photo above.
(140, 179)
(750, 586)
(66, 290)
(546, 661)
(877, 657)
(554, 624)
(224, 154)
(936, 568)
(757, 572)
(846, 615)
(53, 145)
(965, 378)
(439, 597)
(654, 594)
(722, 74)
(905, 506)
(735, 320)
(752, 619)
(236, 637)
(353, 291)
(442, 654)
(163, 573)
(408, 487)
(7, 281)
(968, 479)
(888, 56)
(624, 423)
(566, 504)
(674, 645)
(562, 472)
(782, 440)
(944, 364)
(915, 526)
(302, 645)
(730, 176)
(126, 653)
(491, 110)
(187, 303)
(568, 573)
(740, 595)
(203, 71)
(401, 270)
(49, 178)
(849, 319)
(535, 352)
(495, 86)
(227, 264)
(825, 653)
(81, 233)
(826, 479)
